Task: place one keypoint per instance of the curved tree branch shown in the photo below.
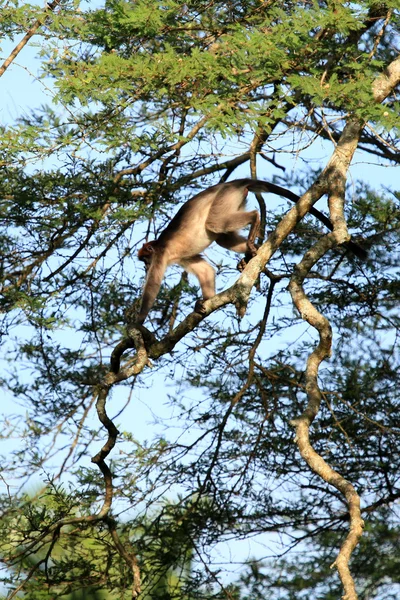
(303, 422)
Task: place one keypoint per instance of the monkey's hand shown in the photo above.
(199, 307)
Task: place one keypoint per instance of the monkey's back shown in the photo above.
(186, 234)
(200, 220)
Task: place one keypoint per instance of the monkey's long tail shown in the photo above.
(264, 186)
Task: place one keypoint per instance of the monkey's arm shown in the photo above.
(154, 278)
(206, 276)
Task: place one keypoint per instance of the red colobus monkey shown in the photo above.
(214, 215)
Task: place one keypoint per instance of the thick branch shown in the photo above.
(334, 176)
(387, 81)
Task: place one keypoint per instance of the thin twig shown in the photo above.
(30, 33)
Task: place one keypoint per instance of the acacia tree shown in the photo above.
(280, 430)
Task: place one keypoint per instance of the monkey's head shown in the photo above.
(146, 253)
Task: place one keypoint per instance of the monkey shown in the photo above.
(214, 215)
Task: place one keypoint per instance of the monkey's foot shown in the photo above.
(199, 307)
(242, 265)
(250, 253)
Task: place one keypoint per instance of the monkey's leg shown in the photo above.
(237, 243)
(255, 227)
(233, 241)
(206, 276)
(221, 224)
(225, 221)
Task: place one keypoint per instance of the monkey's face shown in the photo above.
(146, 254)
